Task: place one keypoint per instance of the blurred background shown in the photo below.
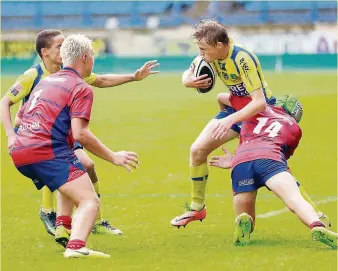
(286, 34)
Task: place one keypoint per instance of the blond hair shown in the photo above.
(73, 47)
(211, 31)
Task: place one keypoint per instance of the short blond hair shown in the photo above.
(73, 47)
(212, 31)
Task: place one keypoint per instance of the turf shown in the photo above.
(159, 119)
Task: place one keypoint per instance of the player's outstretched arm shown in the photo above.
(189, 80)
(5, 116)
(111, 80)
(91, 143)
(223, 161)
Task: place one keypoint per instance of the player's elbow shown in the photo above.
(262, 105)
(81, 136)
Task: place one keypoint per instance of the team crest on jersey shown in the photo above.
(234, 77)
(225, 75)
(222, 66)
(16, 89)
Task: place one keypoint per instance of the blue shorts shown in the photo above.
(77, 145)
(54, 173)
(226, 112)
(252, 175)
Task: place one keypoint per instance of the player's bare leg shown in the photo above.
(101, 226)
(244, 205)
(323, 217)
(81, 192)
(200, 149)
(284, 186)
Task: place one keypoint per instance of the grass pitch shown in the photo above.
(159, 119)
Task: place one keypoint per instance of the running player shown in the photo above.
(241, 72)
(267, 140)
(48, 43)
(56, 114)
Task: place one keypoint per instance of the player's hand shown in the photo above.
(192, 81)
(223, 161)
(126, 159)
(222, 127)
(146, 69)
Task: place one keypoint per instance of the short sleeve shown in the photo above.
(90, 79)
(247, 65)
(22, 86)
(81, 104)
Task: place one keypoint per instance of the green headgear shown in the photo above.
(291, 105)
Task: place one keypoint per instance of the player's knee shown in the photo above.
(198, 152)
(93, 203)
(88, 164)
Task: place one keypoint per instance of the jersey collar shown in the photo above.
(71, 69)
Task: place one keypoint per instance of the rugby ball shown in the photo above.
(202, 67)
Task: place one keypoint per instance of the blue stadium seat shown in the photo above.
(242, 19)
(327, 5)
(61, 8)
(291, 18)
(327, 16)
(18, 8)
(148, 7)
(67, 22)
(111, 8)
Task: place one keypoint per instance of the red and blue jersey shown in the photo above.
(45, 130)
(271, 134)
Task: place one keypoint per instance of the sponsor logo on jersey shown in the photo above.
(16, 89)
(245, 68)
(29, 126)
(238, 90)
(246, 182)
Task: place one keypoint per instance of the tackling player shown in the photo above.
(56, 114)
(48, 43)
(241, 72)
(267, 140)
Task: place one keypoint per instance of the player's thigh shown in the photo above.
(206, 142)
(224, 98)
(284, 186)
(84, 159)
(79, 190)
(245, 203)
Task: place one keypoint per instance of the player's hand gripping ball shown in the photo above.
(202, 67)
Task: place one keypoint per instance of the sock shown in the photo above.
(65, 221)
(317, 224)
(76, 244)
(47, 200)
(306, 197)
(199, 177)
(97, 191)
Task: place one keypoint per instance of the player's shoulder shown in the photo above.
(242, 54)
(29, 74)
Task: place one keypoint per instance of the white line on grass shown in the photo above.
(278, 212)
